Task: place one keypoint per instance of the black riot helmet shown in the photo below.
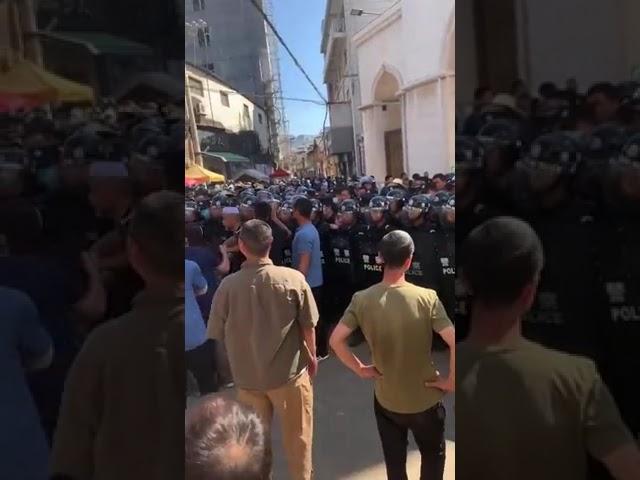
(347, 212)
(397, 198)
(503, 142)
(605, 142)
(247, 203)
(622, 184)
(469, 154)
(378, 208)
(82, 148)
(552, 158)
(417, 206)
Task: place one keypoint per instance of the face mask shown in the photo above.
(48, 178)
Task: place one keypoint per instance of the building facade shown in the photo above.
(343, 20)
(406, 68)
(219, 108)
(533, 44)
(232, 39)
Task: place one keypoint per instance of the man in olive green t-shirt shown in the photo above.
(523, 411)
(398, 319)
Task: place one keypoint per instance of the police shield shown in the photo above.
(446, 253)
(426, 267)
(367, 269)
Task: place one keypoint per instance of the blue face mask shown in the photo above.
(48, 177)
(206, 214)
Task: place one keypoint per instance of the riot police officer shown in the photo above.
(425, 269)
(569, 302)
(368, 270)
(619, 265)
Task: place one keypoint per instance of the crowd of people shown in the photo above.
(91, 275)
(568, 163)
(282, 273)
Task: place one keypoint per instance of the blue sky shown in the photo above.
(298, 22)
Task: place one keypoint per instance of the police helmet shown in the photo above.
(605, 142)
(418, 204)
(349, 206)
(264, 196)
(248, 201)
(631, 150)
(558, 151)
(469, 153)
(379, 203)
(81, 148)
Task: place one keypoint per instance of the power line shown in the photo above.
(286, 47)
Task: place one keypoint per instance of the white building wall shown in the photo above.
(232, 117)
(410, 42)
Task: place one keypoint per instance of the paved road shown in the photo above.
(346, 444)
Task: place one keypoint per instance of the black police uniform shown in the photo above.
(366, 239)
(619, 264)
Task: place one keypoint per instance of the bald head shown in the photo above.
(224, 441)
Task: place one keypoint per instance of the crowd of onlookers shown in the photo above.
(91, 276)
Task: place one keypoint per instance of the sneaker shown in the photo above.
(229, 385)
(322, 357)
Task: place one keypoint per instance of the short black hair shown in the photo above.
(257, 237)
(157, 227)
(388, 177)
(395, 248)
(500, 258)
(303, 206)
(607, 89)
(440, 176)
(262, 210)
(224, 440)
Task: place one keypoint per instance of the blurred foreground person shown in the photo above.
(223, 440)
(24, 345)
(118, 416)
(266, 316)
(398, 319)
(528, 412)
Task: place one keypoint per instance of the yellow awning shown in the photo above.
(29, 80)
(199, 174)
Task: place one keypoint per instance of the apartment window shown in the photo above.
(345, 58)
(204, 37)
(246, 111)
(196, 86)
(224, 99)
(260, 118)
(198, 5)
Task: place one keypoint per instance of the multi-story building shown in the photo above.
(229, 124)
(343, 20)
(406, 68)
(231, 38)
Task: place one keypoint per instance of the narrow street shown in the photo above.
(346, 444)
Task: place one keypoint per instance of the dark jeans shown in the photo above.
(201, 361)
(428, 430)
(322, 328)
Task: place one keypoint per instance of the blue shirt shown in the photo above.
(23, 445)
(208, 261)
(307, 240)
(195, 332)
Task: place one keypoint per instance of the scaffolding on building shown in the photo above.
(278, 125)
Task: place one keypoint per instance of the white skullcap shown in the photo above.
(231, 211)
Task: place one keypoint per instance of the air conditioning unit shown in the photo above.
(200, 110)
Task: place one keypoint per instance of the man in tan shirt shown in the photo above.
(266, 315)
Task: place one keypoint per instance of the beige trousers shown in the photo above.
(293, 404)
